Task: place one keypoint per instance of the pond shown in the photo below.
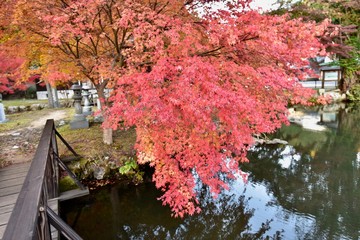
(306, 189)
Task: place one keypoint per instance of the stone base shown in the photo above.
(98, 119)
(87, 113)
(87, 110)
(79, 124)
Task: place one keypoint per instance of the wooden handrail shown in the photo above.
(29, 219)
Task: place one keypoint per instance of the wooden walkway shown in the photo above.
(29, 193)
(11, 181)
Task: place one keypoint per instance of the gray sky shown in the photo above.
(264, 4)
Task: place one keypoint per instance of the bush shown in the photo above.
(30, 93)
(354, 93)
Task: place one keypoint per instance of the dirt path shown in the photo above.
(56, 115)
(39, 123)
(19, 145)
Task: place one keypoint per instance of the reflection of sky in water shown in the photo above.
(357, 161)
(288, 156)
(310, 122)
(266, 208)
(314, 121)
(290, 224)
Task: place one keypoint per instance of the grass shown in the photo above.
(88, 142)
(23, 102)
(23, 119)
(94, 153)
(66, 184)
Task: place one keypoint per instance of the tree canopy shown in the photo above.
(196, 81)
(9, 73)
(212, 84)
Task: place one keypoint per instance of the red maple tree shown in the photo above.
(196, 82)
(210, 85)
(9, 73)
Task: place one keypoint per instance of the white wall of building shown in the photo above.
(63, 94)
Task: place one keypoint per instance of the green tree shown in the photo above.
(342, 36)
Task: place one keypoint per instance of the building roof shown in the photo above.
(330, 68)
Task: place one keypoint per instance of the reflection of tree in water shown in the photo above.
(224, 218)
(321, 177)
(134, 213)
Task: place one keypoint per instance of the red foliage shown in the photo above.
(213, 84)
(9, 67)
(196, 87)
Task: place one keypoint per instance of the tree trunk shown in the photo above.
(107, 132)
(50, 95)
(55, 97)
(107, 136)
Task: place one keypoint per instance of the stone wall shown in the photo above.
(32, 107)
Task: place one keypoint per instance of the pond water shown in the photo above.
(306, 189)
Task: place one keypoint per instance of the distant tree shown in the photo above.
(9, 73)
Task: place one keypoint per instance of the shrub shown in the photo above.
(30, 93)
(354, 93)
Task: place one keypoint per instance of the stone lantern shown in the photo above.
(2, 111)
(87, 107)
(79, 120)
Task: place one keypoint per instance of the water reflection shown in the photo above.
(321, 177)
(308, 189)
(122, 212)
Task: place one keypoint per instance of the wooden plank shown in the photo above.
(7, 200)
(2, 230)
(54, 205)
(9, 173)
(12, 176)
(4, 218)
(75, 193)
(27, 206)
(19, 211)
(12, 182)
(7, 208)
(70, 159)
(54, 233)
(15, 168)
(10, 190)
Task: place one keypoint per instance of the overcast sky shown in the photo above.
(264, 4)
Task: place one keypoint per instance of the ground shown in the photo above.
(99, 163)
(19, 143)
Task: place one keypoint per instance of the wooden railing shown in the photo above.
(32, 218)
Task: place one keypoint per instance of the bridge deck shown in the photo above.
(11, 181)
